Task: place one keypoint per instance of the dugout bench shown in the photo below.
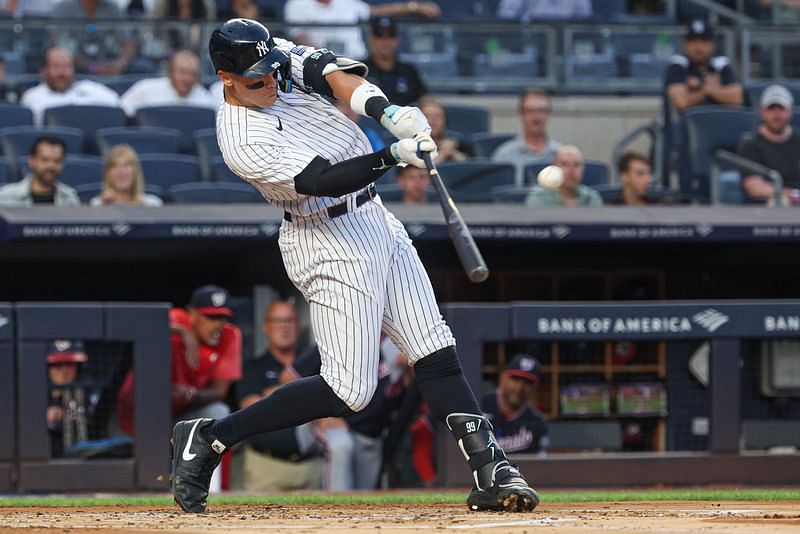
(725, 324)
(145, 327)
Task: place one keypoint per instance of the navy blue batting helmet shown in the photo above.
(245, 47)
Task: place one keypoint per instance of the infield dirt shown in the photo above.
(673, 517)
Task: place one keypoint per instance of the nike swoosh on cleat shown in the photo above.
(187, 455)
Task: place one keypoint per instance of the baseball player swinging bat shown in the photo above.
(467, 250)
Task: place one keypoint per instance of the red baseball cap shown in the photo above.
(211, 300)
(524, 366)
(66, 351)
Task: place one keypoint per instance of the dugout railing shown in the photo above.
(724, 324)
(141, 330)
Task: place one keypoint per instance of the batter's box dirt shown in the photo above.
(671, 517)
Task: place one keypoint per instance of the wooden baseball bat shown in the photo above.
(467, 250)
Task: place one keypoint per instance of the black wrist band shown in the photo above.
(374, 107)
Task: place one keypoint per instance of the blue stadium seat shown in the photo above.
(506, 64)
(594, 172)
(14, 115)
(87, 118)
(599, 67)
(86, 192)
(79, 169)
(609, 10)
(473, 181)
(6, 171)
(143, 139)
(467, 120)
(214, 193)
(753, 90)
(17, 141)
(221, 173)
(188, 119)
(708, 129)
(486, 143)
(120, 84)
(510, 194)
(207, 148)
(166, 170)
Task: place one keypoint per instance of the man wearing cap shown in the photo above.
(206, 354)
(518, 426)
(66, 423)
(774, 144)
(695, 77)
(400, 81)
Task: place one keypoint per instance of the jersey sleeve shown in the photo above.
(675, 74)
(726, 75)
(229, 366)
(299, 54)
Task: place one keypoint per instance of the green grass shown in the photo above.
(416, 497)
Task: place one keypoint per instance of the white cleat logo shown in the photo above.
(187, 455)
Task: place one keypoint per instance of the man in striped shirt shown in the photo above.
(350, 258)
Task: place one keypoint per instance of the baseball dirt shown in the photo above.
(674, 517)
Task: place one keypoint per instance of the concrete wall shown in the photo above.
(592, 123)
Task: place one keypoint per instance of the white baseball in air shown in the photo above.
(550, 177)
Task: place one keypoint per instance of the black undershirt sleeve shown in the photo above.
(321, 179)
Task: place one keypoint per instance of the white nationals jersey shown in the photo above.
(268, 147)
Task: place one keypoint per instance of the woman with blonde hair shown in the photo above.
(123, 180)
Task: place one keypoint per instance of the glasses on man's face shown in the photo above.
(282, 320)
(535, 111)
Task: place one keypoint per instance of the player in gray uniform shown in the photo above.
(350, 257)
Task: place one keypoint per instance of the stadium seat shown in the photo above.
(6, 171)
(120, 84)
(207, 148)
(79, 169)
(17, 141)
(486, 143)
(609, 10)
(86, 118)
(14, 115)
(86, 192)
(143, 139)
(594, 172)
(166, 170)
(510, 194)
(188, 119)
(506, 64)
(214, 193)
(708, 129)
(473, 181)
(598, 67)
(221, 173)
(753, 90)
(467, 120)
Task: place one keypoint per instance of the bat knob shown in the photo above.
(479, 274)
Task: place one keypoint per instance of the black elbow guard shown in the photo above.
(312, 71)
(307, 182)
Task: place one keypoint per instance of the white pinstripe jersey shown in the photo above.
(268, 147)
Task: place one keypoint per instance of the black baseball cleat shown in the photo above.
(193, 462)
(508, 492)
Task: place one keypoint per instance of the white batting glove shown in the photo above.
(405, 121)
(409, 151)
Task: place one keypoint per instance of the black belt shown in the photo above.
(340, 209)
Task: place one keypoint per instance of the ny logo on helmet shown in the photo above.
(262, 48)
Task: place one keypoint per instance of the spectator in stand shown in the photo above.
(519, 427)
(774, 144)
(186, 10)
(41, 185)
(30, 8)
(534, 10)
(400, 81)
(571, 192)
(285, 459)
(346, 40)
(449, 149)
(696, 77)
(636, 177)
(59, 88)
(245, 9)
(369, 126)
(415, 183)
(123, 180)
(534, 145)
(181, 87)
